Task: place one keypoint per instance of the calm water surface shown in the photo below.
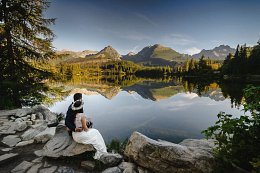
(182, 115)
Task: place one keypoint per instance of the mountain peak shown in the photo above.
(110, 53)
(219, 52)
(156, 54)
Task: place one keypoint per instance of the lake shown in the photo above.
(172, 110)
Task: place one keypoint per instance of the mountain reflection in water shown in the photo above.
(172, 110)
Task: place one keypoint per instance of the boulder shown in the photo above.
(51, 169)
(88, 165)
(8, 112)
(22, 167)
(34, 168)
(45, 135)
(167, 157)
(23, 143)
(63, 145)
(21, 126)
(23, 112)
(32, 132)
(11, 140)
(111, 159)
(48, 116)
(7, 157)
(125, 165)
(8, 128)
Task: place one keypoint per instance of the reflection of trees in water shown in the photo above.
(233, 90)
(230, 89)
(28, 93)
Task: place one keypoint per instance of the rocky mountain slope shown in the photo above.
(155, 55)
(219, 52)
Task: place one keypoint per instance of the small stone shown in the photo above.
(111, 159)
(6, 149)
(38, 153)
(29, 123)
(18, 120)
(112, 170)
(28, 116)
(65, 169)
(142, 170)
(23, 143)
(125, 165)
(46, 164)
(33, 116)
(39, 122)
(39, 116)
(129, 170)
(34, 168)
(11, 140)
(24, 118)
(12, 118)
(37, 160)
(49, 170)
(21, 126)
(88, 165)
(8, 156)
(22, 167)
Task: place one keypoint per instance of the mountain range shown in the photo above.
(151, 55)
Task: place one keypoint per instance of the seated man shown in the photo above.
(69, 120)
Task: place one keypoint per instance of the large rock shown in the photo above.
(194, 156)
(63, 145)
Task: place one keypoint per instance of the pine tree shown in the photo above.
(24, 36)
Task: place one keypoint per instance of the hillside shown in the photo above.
(219, 52)
(155, 55)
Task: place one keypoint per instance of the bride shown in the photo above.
(87, 135)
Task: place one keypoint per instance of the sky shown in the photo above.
(186, 26)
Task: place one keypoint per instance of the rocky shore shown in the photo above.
(35, 140)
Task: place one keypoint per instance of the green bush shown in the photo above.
(238, 139)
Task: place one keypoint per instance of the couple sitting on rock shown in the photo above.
(80, 128)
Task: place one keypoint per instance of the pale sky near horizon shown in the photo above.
(129, 25)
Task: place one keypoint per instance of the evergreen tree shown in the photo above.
(24, 36)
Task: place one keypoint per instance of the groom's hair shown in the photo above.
(77, 96)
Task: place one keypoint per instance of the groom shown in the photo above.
(69, 120)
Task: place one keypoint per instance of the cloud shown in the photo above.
(192, 51)
(146, 19)
(178, 39)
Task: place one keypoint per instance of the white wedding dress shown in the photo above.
(91, 136)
